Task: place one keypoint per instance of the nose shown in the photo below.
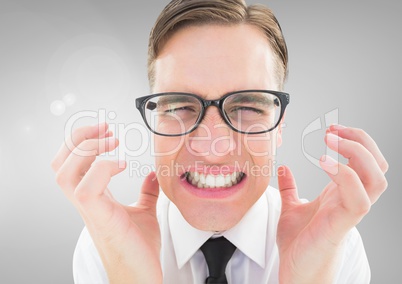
(213, 137)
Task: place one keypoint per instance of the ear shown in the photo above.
(279, 131)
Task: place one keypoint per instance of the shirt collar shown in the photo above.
(249, 235)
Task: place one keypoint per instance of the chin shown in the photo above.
(212, 218)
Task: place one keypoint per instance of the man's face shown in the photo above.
(211, 61)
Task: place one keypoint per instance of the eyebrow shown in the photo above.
(170, 99)
(255, 98)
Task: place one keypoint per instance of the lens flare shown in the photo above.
(69, 99)
(57, 107)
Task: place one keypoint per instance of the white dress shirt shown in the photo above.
(256, 259)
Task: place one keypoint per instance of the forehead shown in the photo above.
(211, 60)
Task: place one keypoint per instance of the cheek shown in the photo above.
(167, 147)
(260, 145)
(166, 150)
(261, 151)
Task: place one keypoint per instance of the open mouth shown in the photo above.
(202, 180)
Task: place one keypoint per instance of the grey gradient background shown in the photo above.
(344, 56)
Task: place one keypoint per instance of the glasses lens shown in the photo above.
(252, 112)
(172, 114)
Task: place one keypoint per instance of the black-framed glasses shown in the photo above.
(247, 111)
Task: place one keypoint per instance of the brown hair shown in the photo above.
(181, 13)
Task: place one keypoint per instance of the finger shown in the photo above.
(360, 136)
(149, 192)
(354, 201)
(76, 165)
(90, 194)
(362, 162)
(346, 201)
(287, 186)
(76, 138)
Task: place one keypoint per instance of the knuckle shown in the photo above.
(75, 137)
(350, 175)
(378, 186)
(82, 195)
(79, 134)
(361, 133)
(88, 144)
(54, 165)
(364, 208)
(87, 148)
(360, 207)
(382, 185)
(100, 165)
(357, 147)
(61, 179)
(76, 132)
(384, 166)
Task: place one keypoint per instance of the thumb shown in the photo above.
(149, 192)
(287, 186)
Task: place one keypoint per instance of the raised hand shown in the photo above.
(127, 238)
(310, 235)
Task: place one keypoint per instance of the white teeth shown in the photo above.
(201, 180)
(234, 177)
(220, 181)
(196, 177)
(228, 179)
(210, 181)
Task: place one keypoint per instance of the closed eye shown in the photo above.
(244, 108)
(184, 108)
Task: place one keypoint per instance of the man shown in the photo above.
(217, 69)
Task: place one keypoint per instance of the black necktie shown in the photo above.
(217, 253)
